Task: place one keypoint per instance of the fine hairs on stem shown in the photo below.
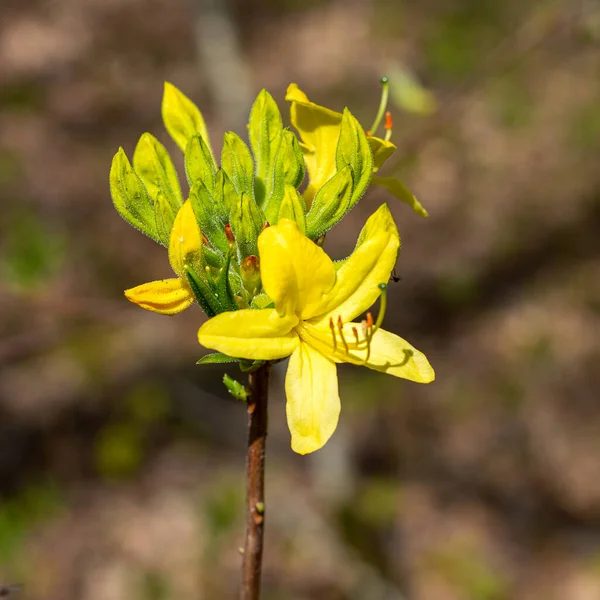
(258, 382)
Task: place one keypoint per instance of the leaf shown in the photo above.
(199, 162)
(293, 207)
(400, 191)
(154, 166)
(131, 198)
(236, 389)
(330, 204)
(264, 129)
(216, 358)
(181, 117)
(353, 149)
(236, 161)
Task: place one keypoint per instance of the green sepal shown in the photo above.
(181, 117)
(400, 191)
(293, 207)
(264, 130)
(199, 162)
(262, 301)
(216, 358)
(247, 222)
(236, 161)
(353, 149)
(154, 166)
(223, 285)
(165, 217)
(205, 296)
(213, 258)
(203, 205)
(236, 389)
(330, 204)
(131, 198)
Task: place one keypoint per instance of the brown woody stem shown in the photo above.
(255, 483)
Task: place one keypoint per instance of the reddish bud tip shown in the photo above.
(368, 133)
(267, 224)
(388, 120)
(204, 240)
(229, 234)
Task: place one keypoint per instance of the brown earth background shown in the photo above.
(121, 461)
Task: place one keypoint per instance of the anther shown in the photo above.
(355, 332)
(332, 327)
(341, 330)
(388, 126)
(382, 105)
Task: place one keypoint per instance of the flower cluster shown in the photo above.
(246, 244)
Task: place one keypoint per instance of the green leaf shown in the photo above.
(400, 191)
(353, 149)
(330, 204)
(236, 389)
(165, 217)
(131, 198)
(154, 166)
(247, 222)
(236, 161)
(181, 117)
(216, 358)
(264, 130)
(203, 204)
(293, 207)
(199, 162)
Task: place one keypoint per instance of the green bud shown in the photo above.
(131, 198)
(236, 161)
(353, 149)
(154, 166)
(264, 130)
(165, 217)
(250, 272)
(330, 204)
(199, 163)
(225, 196)
(291, 158)
(211, 226)
(181, 117)
(293, 207)
(247, 221)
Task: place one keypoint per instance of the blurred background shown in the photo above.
(122, 462)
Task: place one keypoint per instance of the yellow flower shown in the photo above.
(171, 296)
(312, 322)
(319, 130)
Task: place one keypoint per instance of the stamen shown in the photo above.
(382, 105)
(332, 327)
(355, 332)
(388, 126)
(341, 330)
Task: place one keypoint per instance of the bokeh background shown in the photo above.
(121, 461)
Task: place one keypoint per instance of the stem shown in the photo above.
(258, 382)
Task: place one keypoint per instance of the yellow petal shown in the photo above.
(185, 244)
(382, 150)
(252, 334)
(319, 129)
(313, 401)
(167, 296)
(400, 191)
(358, 280)
(392, 355)
(388, 353)
(295, 271)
